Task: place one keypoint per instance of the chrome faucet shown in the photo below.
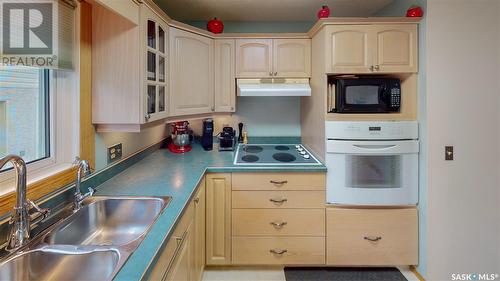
(84, 170)
(20, 219)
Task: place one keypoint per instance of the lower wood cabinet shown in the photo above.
(183, 257)
(278, 250)
(372, 237)
(218, 214)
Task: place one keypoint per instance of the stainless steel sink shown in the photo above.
(119, 221)
(91, 244)
(62, 263)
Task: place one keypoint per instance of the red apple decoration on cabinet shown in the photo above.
(415, 12)
(215, 26)
(324, 12)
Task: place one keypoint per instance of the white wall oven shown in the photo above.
(372, 163)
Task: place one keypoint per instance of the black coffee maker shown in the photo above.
(207, 137)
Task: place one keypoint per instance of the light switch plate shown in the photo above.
(448, 153)
(114, 153)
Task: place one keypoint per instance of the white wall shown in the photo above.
(463, 102)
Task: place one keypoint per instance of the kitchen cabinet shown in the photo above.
(129, 69)
(253, 58)
(192, 73)
(218, 219)
(183, 258)
(372, 49)
(126, 9)
(372, 237)
(199, 232)
(261, 58)
(278, 218)
(292, 57)
(396, 47)
(225, 89)
(182, 264)
(174, 260)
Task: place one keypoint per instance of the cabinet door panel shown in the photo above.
(225, 89)
(396, 48)
(218, 223)
(192, 83)
(253, 58)
(292, 57)
(199, 230)
(348, 49)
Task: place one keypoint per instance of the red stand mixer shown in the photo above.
(181, 137)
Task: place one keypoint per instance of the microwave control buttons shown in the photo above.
(306, 156)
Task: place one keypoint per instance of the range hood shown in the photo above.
(273, 87)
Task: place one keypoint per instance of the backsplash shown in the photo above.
(262, 116)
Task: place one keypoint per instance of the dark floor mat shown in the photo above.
(343, 274)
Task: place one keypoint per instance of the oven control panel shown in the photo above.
(371, 130)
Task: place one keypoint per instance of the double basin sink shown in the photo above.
(90, 244)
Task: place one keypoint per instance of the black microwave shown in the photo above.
(367, 95)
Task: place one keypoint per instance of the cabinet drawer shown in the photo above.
(278, 199)
(286, 222)
(372, 236)
(278, 250)
(279, 181)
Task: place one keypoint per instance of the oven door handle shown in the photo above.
(375, 146)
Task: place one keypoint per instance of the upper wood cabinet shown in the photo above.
(292, 57)
(260, 58)
(254, 57)
(225, 88)
(348, 49)
(129, 69)
(371, 49)
(396, 48)
(192, 73)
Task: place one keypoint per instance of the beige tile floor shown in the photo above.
(263, 274)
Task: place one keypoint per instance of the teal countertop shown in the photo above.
(163, 173)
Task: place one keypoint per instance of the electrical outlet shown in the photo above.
(114, 153)
(448, 153)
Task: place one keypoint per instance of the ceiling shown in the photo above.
(267, 10)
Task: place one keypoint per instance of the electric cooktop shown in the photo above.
(274, 154)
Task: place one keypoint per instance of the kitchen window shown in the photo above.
(39, 117)
(25, 113)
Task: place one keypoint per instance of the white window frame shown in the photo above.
(64, 125)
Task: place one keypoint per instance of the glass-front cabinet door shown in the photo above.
(155, 78)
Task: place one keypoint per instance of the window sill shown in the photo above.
(39, 175)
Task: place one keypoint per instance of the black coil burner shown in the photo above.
(284, 157)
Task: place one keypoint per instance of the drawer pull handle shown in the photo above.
(278, 252)
(197, 200)
(278, 201)
(278, 224)
(278, 182)
(373, 239)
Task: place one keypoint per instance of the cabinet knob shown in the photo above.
(371, 67)
(377, 67)
(197, 200)
(213, 108)
(270, 74)
(232, 108)
(373, 239)
(147, 117)
(276, 73)
(278, 225)
(278, 182)
(278, 201)
(278, 251)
